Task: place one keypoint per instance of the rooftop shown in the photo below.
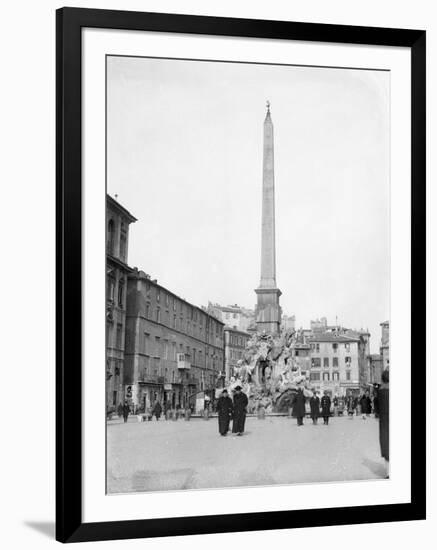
(332, 337)
(117, 206)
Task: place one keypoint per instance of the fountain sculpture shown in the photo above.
(272, 369)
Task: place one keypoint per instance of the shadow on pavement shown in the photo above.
(375, 467)
(46, 528)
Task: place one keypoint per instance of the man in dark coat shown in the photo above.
(383, 403)
(126, 411)
(225, 409)
(299, 406)
(365, 405)
(350, 404)
(325, 404)
(240, 404)
(315, 407)
(157, 410)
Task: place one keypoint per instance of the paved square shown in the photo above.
(175, 455)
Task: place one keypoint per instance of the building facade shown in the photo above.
(118, 220)
(288, 322)
(234, 316)
(335, 363)
(375, 368)
(385, 344)
(174, 350)
(235, 344)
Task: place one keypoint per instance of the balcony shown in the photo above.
(183, 362)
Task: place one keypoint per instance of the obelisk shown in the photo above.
(268, 311)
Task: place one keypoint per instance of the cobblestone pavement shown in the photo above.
(174, 455)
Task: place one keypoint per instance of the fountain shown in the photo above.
(272, 369)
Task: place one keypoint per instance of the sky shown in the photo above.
(184, 156)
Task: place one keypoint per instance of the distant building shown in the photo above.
(335, 365)
(375, 368)
(174, 349)
(118, 220)
(234, 316)
(319, 325)
(288, 322)
(235, 344)
(385, 344)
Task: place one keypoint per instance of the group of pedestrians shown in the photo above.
(232, 409)
(362, 406)
(318, 407)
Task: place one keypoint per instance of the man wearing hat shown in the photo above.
(224, 410)
(325, 404)
(240, 404)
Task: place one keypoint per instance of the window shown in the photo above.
(316, 363)
(146, 346)
(111, 235)
(123, 239)
(147, 311)
(326, 376)
(335, 347)
(335, 362)
(111, 288)
(165, 349)
(120, 292)
(348, 361)
(174, 351)
(146, 365)
(347, 347)
(315, 376)
(348, 375)
(158, 295)
(118, 337)
(318, 348)
(174, 304)
(335, 376)
(167, 299)
(326, 362)
(158, 315)
(157, 346)
(174, 321)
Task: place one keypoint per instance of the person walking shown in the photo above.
(225, 409)
(365, 405)
(315, 407)
(325, 404)
(299, 406)
(383, 405)
(126, 411)
(157, 410)
(350, 407)
(240, 409)
(120, 410)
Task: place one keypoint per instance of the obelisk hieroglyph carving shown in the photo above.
(268, 311)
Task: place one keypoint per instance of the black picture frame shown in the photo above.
(69, 23)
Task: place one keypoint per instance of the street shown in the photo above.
(174, 455)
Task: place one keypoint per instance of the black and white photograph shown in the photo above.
(247, 274)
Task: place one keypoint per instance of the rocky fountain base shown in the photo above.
(272, 369)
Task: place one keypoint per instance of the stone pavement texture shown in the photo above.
(167, 455)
